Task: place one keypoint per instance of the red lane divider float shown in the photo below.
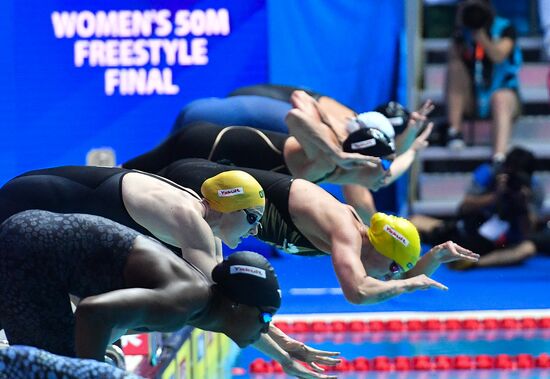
(358, 326)
(422, 363)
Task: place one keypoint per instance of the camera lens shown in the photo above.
(476, 15)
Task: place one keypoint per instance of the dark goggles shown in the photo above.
(252, 217)
(394, 267)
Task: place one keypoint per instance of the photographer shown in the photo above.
(482, 76)
(500, 208)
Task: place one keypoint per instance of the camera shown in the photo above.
(517, 180)
(476, 14)
(513, 202)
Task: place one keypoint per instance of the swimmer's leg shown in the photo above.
(35, 313)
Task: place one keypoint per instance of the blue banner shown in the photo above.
(346, 49)
(116, 73)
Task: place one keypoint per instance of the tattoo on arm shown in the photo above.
(387, 294)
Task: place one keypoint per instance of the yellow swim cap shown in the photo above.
(232, 191)
(395, 238)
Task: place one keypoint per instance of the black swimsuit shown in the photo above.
(69, 189)
(44, 257)
(277, 227)
(73, 189)
(237, 145)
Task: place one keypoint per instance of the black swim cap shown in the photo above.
(371, 142)
(370, 133)
(248, 278)
(396, 113)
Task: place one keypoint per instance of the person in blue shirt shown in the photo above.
(482, 76)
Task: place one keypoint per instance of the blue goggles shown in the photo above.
(386, 163)
(265, 318)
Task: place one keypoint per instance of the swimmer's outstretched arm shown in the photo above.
(361, 198)
(404, 161)
(416, 121)
(97, 316)
(289, 358)
(443, 253)
(357, 285)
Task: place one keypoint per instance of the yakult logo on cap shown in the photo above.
(248, 270)
(230, 192)
(395, 234)
(363, 144)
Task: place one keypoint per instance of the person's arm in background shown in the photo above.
(497, 50)
(473, 203)
(479, 194)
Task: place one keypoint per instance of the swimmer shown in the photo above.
(372, 264)
(282, 153)
(228, 210)
(337, 114)
(129, 281)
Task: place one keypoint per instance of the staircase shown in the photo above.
(441, 176)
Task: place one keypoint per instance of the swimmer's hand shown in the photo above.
(421, 142)
(314, 357)
(450, 252)
(301, 352)
(296, 369)
(292, 355)
(351, 160)
(418, 118)
(422, 282)
(426, 108)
